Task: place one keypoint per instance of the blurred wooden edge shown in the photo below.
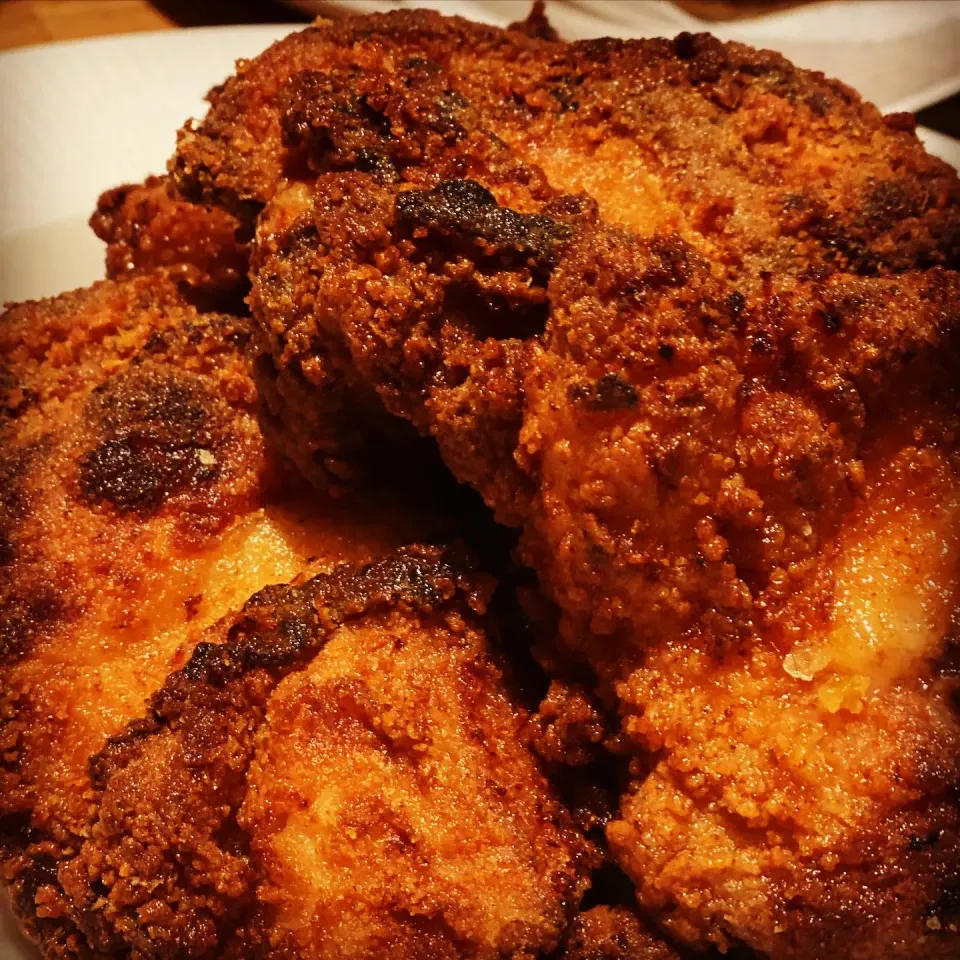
(26, 22)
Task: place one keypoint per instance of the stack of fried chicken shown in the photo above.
(273, 685)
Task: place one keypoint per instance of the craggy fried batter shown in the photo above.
(463, 170)
(716, 392)
(148, 228)
(687, 315)
(418, 293)
(762, 165)
(136, 507)
(340, 766)
(749, 513)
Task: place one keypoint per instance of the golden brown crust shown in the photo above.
(455, 161)
(136, 507)
(765, 166)
(460, 285)
(129, 431)
(736, 402)
(148, 228)
(730, 486)
(354, 722)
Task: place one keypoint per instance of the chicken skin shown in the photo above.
(685, 315)
(148, 228)
(341, 765)
(137, 506)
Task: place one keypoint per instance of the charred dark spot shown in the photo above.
(674, 266)
(927, 840)
(283, 624)
(887, 203)
(464, 210)
(736, 302)
(491, 315)
(709, 64)
(818, 102)
(904, 122)
(24, 617)
(343, 125)
(161, 433)
(376, 163)
(685, 45)
(831, 319)
(666, 351)
(610, 392)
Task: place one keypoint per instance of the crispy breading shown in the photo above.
(688, 316)
(684, 314)
(137, 506)
(763, 165)
(148, 228)
(461, 170)
(340, 765)
(749, 513)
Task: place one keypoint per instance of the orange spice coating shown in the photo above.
(340, 763)
(137, 506)
(148, 229)
(687, 315)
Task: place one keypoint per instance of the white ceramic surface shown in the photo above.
(76, 118)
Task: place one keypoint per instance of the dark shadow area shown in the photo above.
(213, 13)
(944, 117)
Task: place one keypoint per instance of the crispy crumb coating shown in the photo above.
(148, 228)
(765, 166)
(447, 181)
(137, 506)
(748, 514)
(687, 315)
(337, 771)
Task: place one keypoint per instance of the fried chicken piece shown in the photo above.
(760, 164)
(340, 765)
(749, 514)
(148, 228)
(462, 168)
(715, 478)
(137, 506)
(708, 473)
(430, 297)
(715, 430)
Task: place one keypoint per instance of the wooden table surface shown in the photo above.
(25, 22)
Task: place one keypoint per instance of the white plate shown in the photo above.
(77, 118)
